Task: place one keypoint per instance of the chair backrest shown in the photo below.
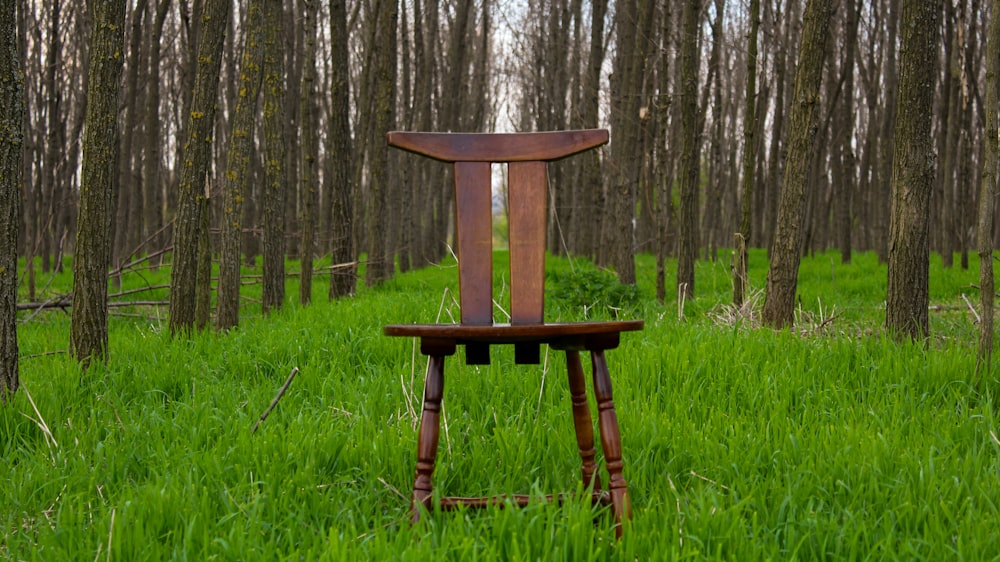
(527, 156)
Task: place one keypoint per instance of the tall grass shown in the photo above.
(740, 443)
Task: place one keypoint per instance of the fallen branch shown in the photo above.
(972, 308)
(274, 402)
(66, 301)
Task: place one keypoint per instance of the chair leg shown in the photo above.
(610, 440)
(581, 421)
(427, 440)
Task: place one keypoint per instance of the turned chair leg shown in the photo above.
(611, 441)
(582, 422)
(427, 440)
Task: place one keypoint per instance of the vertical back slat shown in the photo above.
(474, 232)
(526, 207)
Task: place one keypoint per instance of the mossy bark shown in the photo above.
(195, 167)
(98, 189)
(234, 182)
(275, 176)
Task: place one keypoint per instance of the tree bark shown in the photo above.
(907, 296)
(98, 193)
(12, 112)
(341, 157)
(195, 167)
(152, 166)
(690, 148)
(749, 158)
(309, 151)
(380, 265)
(988, 193)
(275, 176)
(782, 277)
(238, 167)
(129, 182)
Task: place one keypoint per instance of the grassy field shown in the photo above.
(740, 443)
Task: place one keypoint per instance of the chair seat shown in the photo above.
(508, 333)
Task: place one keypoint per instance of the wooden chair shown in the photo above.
(526, 155)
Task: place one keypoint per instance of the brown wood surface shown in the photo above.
(473, 215)
(526, 155)
(509, 333)
(498, 147)
(527, 182)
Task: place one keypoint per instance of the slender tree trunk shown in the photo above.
(195, 168)
(341, 157)
(633, 22)
(380, 265)
(988, 193)
(782, 277)
(152, 184)
(95, 225)
(275, 176)
(309, 150)
(907, 294)
(238, 166)
(129, 188)
(690, 149)
(591, 178)
(12, 111)
(749, 158)
(664, 161)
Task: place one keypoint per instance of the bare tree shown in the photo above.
(380, 265)
(11, 153)
(907, 295)
(238, 166)
(95, 225)
(275, 176)
(195, 168)
(988, 192)
(690, 149)
(749, 158)
(341, 157)
(782, 277)
(309, 151)
(152, 161)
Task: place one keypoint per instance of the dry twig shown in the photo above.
(274, 402)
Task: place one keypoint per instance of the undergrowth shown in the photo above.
(740, 443)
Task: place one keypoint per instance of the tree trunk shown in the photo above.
(129, 186)
(749, 158)
(95, 225)
(907, 295)
(591, 178)
(633, 22)
(988, 193)
(152, 185)
(238, 167)
(782, 277)
(380, 265)
(195, 168)
(275, 176)
(309, 150)
(341, 157)
(690, 149)
(11, 152)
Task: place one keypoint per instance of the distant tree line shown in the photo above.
(255, 130)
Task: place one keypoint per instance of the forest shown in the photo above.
(203, 234)
(188, 132)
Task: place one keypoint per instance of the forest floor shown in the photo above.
(830, 441)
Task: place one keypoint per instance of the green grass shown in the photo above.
(740, 443)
